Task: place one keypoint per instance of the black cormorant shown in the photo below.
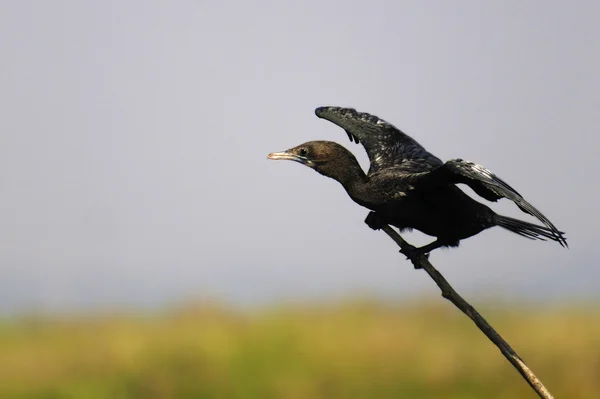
(410, 188)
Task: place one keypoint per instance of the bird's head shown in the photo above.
(326, 157)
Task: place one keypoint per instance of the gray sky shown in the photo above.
(134, 135)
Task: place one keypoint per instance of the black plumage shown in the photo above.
(408, 187)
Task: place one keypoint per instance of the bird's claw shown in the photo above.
(374, 221)
(413, 254)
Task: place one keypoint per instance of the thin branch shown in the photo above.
(451, 295)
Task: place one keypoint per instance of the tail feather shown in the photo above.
(530, 230)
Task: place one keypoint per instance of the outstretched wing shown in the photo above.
(486, 184)
(386, 145)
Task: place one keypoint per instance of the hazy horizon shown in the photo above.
(134, 139)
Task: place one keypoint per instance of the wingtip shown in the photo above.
(319, 111)
(323, 111)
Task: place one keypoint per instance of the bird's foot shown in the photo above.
(374, 221)
(413, 254)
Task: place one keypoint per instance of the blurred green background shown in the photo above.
(348, 349)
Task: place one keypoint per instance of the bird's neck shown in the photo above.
(356, 184)
(350, 175)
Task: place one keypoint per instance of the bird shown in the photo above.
(410, 188)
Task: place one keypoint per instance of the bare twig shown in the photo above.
(451, 295)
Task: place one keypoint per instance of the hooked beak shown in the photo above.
(289, 157)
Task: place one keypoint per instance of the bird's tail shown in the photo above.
(530, 230)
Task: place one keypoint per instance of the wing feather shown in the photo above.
(487, 185)
(386, 145)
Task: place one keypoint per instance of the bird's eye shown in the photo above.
(303, 152)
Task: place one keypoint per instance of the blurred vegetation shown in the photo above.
(346, 350)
